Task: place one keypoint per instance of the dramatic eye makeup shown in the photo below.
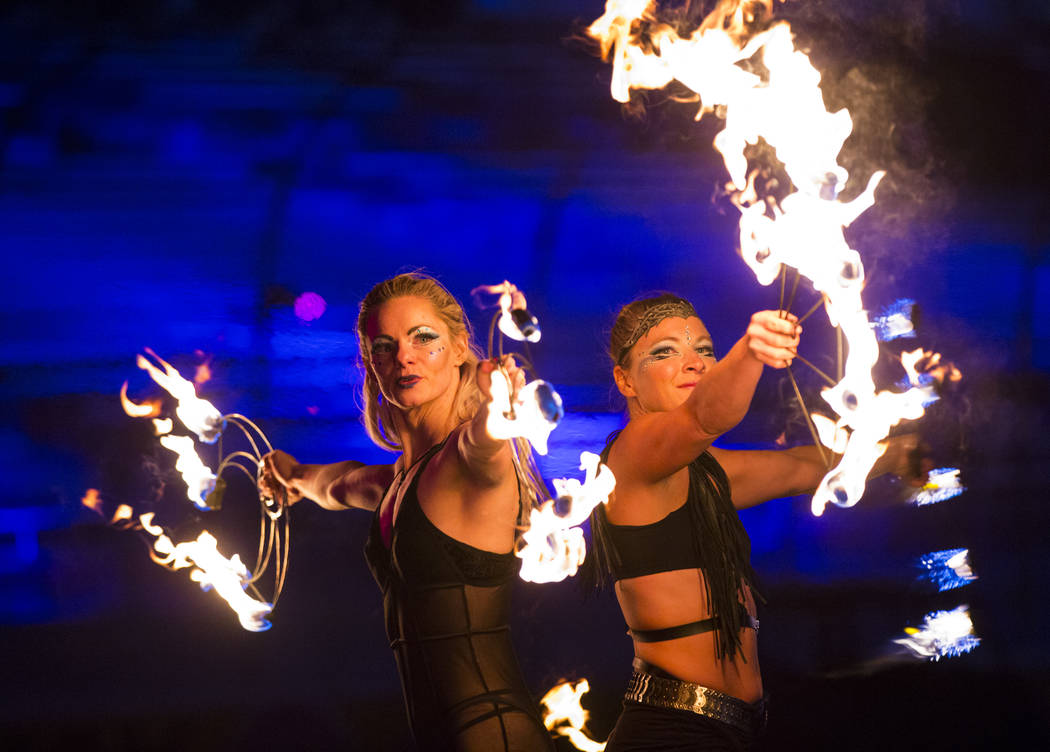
(382, 346)
(660, 351)
(423, 336)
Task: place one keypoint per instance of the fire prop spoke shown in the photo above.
(229, 577)
(746, 70)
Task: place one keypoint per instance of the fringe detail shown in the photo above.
(722, 546)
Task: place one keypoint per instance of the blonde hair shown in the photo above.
(377, 416)
(376, 413)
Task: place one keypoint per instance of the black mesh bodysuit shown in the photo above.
(447, 607)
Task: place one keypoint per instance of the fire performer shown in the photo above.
(670, 537)
(447, 513)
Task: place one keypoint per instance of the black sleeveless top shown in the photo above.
(704, 533)
(447, 607)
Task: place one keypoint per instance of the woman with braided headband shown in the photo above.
(670, 537)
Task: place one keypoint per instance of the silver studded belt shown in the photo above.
(664, 692)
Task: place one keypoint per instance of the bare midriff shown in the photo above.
(669, 599)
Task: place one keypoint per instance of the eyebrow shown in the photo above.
(678, 340)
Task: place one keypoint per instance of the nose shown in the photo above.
(695, 363)
(404, 354)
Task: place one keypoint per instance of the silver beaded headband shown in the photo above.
(676, 308)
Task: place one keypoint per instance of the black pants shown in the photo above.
(644, 728)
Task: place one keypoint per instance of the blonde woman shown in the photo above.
(446, 514)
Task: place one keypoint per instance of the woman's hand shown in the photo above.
(773, 337)
(514, 373)
(277, 471)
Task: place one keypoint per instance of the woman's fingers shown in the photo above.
(773, 337)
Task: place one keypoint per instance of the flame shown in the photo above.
(198, 415)
(805, 230)
(229, 577)
(149, 409)
(565, 715)
(535, 412)
(200, 481)
(553, 547)
(942, 484)
(123, 513)
(948, 569)
(944, 634)
(162, 426)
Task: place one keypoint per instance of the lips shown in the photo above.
(407, 382)
(690, 385)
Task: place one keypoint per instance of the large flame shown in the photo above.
(553, 547)
(211, 569)
(198, 415)
(784, 108)
(563, 714)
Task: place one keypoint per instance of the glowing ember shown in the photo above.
(944, 634)
(943, 484)
(553, 547)
(211, 569)
(92, 500)
(198, 415)
(784, 108)
(536, 410)
(121, 517)
(200, 481)
(145, 410)
(563, 714)
(948, 569)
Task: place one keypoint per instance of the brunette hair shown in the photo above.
(376, 413)
(639, 316)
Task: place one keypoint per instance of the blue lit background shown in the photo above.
(174, 177)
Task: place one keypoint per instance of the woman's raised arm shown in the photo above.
(659, 443)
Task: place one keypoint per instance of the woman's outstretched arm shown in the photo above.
(757, 476)
(340, 485)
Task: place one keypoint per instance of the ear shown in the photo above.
(623, 381)
(460, 348)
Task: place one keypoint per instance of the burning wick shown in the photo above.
(200, 416)
(944, 634)
(553, 547)
(535, 411)
(515, 322)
